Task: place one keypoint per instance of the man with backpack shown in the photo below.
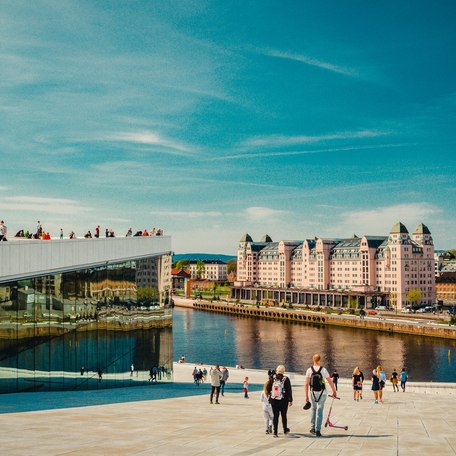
(317, 377)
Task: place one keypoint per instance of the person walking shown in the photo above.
(335, 377)
(362, 383)
(280, 396)
(375, 384)
(246, 387)
(316, 379)
(395, 380)
(3, 231)
(216, 376)
(382, 382)
(357, 383)
(404, 378)
(267, 410)
(224, 379)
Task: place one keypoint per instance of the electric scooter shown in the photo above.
(328, 420)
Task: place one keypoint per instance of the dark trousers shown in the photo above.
(222, 386)
(216, 390)
(279, 407)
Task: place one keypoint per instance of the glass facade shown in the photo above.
(101, 327)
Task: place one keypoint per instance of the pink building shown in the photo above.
(392, 265)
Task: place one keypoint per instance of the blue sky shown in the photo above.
(212, 118)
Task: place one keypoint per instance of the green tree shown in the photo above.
(452, 252)
(231, 266)
(147, 294)
(352, 302)
(214, 288)
(182, 264)
(200, 268)
(414, 295)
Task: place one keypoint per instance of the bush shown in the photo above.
(453, 320)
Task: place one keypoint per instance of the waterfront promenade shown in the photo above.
(419, 421)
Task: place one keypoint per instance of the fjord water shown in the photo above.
(261, 344)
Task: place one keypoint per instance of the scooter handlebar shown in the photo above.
(334, 397)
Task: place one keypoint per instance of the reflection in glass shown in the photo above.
(100, 327)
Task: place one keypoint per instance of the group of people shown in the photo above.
(199, 375)
(277, 394)
(277, 397)
(378, 382)
(218, 378)
(43, 235)
(39, 233)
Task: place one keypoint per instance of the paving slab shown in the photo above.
(415, 422)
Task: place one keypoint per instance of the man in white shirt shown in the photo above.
(3, 231)
(316, 379)
(216, 376)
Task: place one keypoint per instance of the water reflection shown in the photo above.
(261, 344)
(86, 328)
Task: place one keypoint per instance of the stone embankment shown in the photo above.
(376, 323)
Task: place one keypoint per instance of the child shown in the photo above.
(246, 387)
(267, 410)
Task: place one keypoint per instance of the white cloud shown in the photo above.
(42, 205)
(380, 220)
(308, 60)
(260, 213)
(304, 152)
(281, 140)
(148, 138)
(189, 214)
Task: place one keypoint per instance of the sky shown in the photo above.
(210, 119)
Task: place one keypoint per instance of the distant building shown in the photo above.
(215, 270)
(389, 266)
(445, 286)
(179, 276)
(444, 261)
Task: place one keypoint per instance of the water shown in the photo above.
(261, 344)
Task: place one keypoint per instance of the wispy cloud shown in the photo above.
(189, 214)
(281, 140)
(149, 138)
(42, 205)
(379, 220)
(261, 213)
(303, 152)
(309, 60)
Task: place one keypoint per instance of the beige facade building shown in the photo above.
(392, 265)
(215, 270)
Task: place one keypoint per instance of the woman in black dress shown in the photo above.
(357, 383)
(375, 384)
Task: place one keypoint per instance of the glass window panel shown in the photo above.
(9, 322)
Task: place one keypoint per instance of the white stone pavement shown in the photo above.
(419, 421)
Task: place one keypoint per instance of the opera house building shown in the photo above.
(85, 313)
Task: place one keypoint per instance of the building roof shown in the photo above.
(266, 238)
(375, 241)
(399, 227)
(446, 277)
(270, 247)
(421, 229)
(180, 272)
(207, 261)
(246, 238)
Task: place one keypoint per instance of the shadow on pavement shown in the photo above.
(53, 400)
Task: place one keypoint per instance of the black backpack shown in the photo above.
(316, 380)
